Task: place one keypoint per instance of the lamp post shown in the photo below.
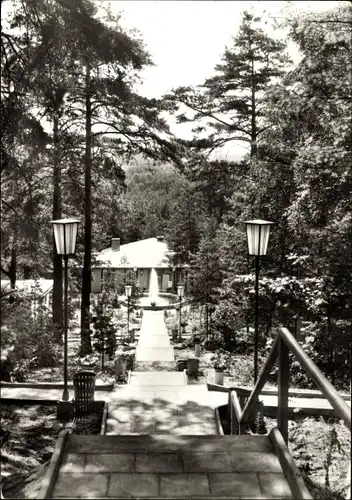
(258, 238)
(180, 292)
(128, 291)
(65, 234)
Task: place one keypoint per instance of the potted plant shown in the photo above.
(120, 365)
(197, 345)
(174, 330)
(153, 304)
(130, 357)
(219, 361)
(192, 366)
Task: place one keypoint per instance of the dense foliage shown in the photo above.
(27, 338)
(78, 140)
(299, 178)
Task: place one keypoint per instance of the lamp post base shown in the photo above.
(65, 410)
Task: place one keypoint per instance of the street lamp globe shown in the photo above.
(128, 290)
(258, 236)
(180, 290)
(65, 234)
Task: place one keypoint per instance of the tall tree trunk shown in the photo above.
(330, 341)
(86, 346)
(206, 320)
(253, 118)
(12, 273)
(13, 266)
(57, 304)
(247, 315)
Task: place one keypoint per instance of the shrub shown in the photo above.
(212, 344)
(104, 328)
(32, 337)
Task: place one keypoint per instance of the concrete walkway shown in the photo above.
(160, 402)
(154, 343)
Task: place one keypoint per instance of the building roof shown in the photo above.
(141, 254)
(45, 286)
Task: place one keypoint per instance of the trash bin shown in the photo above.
(181, 365)
(84, 385)
(192, 366)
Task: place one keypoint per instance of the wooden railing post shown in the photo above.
(263, 376)
(229, 403)
(283, 382)
(233, 416)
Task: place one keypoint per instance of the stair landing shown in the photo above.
(160, 409)
(165, 466)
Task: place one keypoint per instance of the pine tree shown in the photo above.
(205, 274)
(104, 336)
(230, 102)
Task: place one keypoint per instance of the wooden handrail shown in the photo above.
(236, 413)
(329, 391)
(284, 341)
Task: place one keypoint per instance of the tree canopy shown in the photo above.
(79, 140)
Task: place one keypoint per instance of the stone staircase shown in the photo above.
(162, 441)
(168, 466)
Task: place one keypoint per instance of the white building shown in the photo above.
(40, 291)
(141, 257)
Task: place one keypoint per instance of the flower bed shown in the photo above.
(33, 431)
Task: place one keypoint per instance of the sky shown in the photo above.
(186, 39)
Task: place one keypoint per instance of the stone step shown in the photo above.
(170, 466)
(154, 354)
(145, 366)
(164, 393)
(157, 378)
(166, 444)
(156, 341)
(145, 389)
